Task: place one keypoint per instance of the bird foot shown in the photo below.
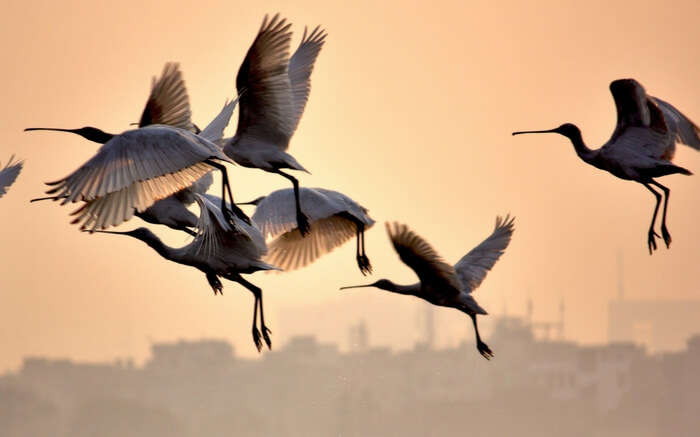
(266, 335)
(303, 224)
(256, 339)
(666, 236)
(651, 240)
(364, 264)
(484, 350)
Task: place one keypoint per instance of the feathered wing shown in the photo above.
(214, 131)
(631, 104)
(291, 251)
(681, 127)
(301, 65)
(9, 174)
(212, 226)
(416, 253)
(168, 102)
(132, 171)
(266, 114)
(473, 267)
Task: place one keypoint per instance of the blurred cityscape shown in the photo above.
(537, 385)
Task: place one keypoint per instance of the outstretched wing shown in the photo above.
(8, 174)
(473, 267)
(631, 104)
(300, 67)
(684, 130)
(168, 103)
(266, 111)
(214, 131)
(212, 227)
(416, 253)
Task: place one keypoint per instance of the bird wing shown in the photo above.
(132, 171)
(266, 111)
(291, 250)
(276, 213)
(214, 131)
(473, 267)
(301, 65)
(631, 103)
(8, 174)
(168, 102)
(416, 253)
(684, 130)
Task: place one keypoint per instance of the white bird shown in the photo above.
(334, 219)
(219, 250)
(134, 169)
(9, 174)
(642, 146)
(440, 283)
(274, 90)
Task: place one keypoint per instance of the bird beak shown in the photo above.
(49, 128)
(133, 124)
(356, 286)
(105, 232)
(535, 131)
(252, 202)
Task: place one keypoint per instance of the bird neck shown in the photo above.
(582, 150)
(156, 244)
(412, 289)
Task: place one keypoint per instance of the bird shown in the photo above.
(134, 169)
(642, 145)
(8, 174)
(275, 90)
(440, 283)
(334, 219)
(218, 250)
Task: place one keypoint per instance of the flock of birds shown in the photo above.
(159, 169)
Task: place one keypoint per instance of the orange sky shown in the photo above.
(410, 113)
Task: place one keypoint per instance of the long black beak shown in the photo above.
(50, 128)
(357, 286)
(47, 198)
(535, 131)
(105, 232)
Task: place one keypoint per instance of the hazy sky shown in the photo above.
(411, 110)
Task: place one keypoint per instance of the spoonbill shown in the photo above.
(9, 174)
(134, 169)
(641, 147)
(276, 90)
(440, 283)
(334, 219)
(219, 250)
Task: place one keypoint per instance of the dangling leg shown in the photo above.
(257, 292)
(215, 283)
(664, 230)
(362, 260)
(226, 189)
(483, 348)
(651, 239)
(302, 219)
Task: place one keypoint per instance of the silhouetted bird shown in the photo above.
(440, 283)
(9, 174)
(642, 146)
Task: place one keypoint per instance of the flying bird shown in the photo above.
(219, 250)
(134, 169)
(440, 283)
(641, 147)
(334, 219)
(8, 174)
(274, 89)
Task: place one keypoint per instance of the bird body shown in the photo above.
(218, 250)
(334, 219)
(642, 146)
(442, 284)
(273, 89)
(9, 173)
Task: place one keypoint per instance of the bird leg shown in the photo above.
(215, 283)
(651, 239)
(362, 260)
(664, 230)
(302, 219)
(257, 292)
(189, 231)
(482, 347)
(226, 189)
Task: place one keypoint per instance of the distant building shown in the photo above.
(663, 325)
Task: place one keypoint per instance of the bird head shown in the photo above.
(569, 130)
(384, 284)
(142, 234)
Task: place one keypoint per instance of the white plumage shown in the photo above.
(334, 219)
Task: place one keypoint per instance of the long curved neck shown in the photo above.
(156, 244)
(582, 150)
(413, 289)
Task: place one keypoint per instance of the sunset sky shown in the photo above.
(411, 111)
